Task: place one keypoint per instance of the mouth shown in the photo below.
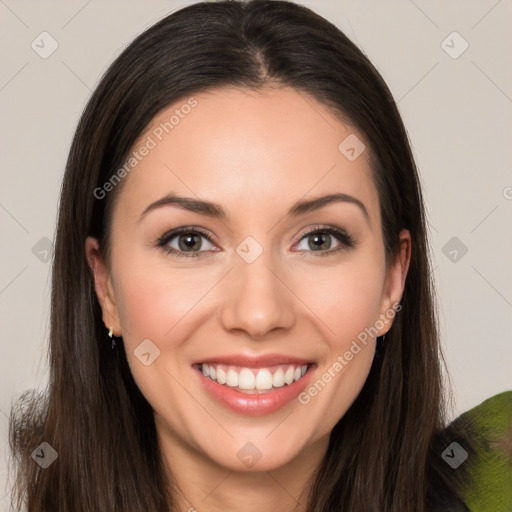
(253, 380)
(254, 386)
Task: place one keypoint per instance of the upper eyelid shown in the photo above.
(173, 233)
(342, 235)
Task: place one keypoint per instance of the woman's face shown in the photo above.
(262, 301)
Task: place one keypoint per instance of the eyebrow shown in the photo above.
(216, 211)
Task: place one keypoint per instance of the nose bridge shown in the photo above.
(256, 300)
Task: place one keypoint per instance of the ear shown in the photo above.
(103, 286)
(395, 281)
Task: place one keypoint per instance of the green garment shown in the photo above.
(489, 487)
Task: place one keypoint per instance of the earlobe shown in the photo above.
(103, 286)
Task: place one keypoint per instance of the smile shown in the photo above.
(254, 386)
(254, 380)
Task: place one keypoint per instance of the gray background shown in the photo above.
(457, 109)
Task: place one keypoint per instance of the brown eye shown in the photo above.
(189, 242)
(186, 242)
(323, 240)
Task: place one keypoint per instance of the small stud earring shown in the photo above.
(111, 336)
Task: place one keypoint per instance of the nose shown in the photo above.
(258, 300)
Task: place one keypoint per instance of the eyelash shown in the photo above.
(346, 241)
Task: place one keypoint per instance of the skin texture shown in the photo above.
(256, 154)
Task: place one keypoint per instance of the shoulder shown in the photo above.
(489, 461)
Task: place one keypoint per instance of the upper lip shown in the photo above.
(253, 361)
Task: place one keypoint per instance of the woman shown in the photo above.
(242, 309)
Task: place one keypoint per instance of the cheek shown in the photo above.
(154, 298)
(347, 299)
(350, 307)
(158, 303)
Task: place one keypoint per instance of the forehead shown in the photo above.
(248, 150)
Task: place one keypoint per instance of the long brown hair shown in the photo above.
(385, 453)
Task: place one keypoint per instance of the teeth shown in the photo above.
(264, 380)
(246, 379)
(254, 379)
(221, 376)
(232, 378)
(278, 378)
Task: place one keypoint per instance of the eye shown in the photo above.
(320, 239)
(186, 242)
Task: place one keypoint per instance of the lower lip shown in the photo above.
(257, 404)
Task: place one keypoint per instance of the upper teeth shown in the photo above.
(254, 378)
